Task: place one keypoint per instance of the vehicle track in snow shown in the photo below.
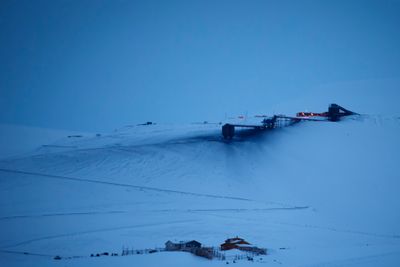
(232, 210)
(310, 226)
(356, 260)
(333, 229)
(26, 253)
(47, 215)
(109, 229)
(145, 188)
(59, 214)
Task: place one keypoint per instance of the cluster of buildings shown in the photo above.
(196, 248)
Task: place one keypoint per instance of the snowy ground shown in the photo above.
(314, 194)
(16, 140)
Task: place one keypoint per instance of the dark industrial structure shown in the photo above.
(334, 113)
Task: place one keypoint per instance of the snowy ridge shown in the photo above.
(303, 188)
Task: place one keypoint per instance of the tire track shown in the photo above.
(110, 229)
(137, 187)
(161, 210)
(58, 214)
(333, 229)
(311, 227)
(356, 260)
(26, 253)
(232, 210)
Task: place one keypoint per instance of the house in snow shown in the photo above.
(232, 243)
(182, 245)
(241, 244)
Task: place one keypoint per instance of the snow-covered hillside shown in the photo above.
(313, 194)
(16, 140)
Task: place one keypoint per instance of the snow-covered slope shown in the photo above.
(17, 140)
(314, 194)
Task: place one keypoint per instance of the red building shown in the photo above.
(232, 243)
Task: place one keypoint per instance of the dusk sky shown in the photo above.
(99, 65)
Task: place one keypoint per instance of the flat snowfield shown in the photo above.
(313, 194)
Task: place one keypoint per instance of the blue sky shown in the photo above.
(98, 65)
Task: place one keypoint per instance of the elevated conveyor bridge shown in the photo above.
(334, 113)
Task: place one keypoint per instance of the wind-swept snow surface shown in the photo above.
(313, 194)
(16, 140)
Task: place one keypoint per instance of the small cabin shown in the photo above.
(171, 246)
(192, 244)
(182, 245)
